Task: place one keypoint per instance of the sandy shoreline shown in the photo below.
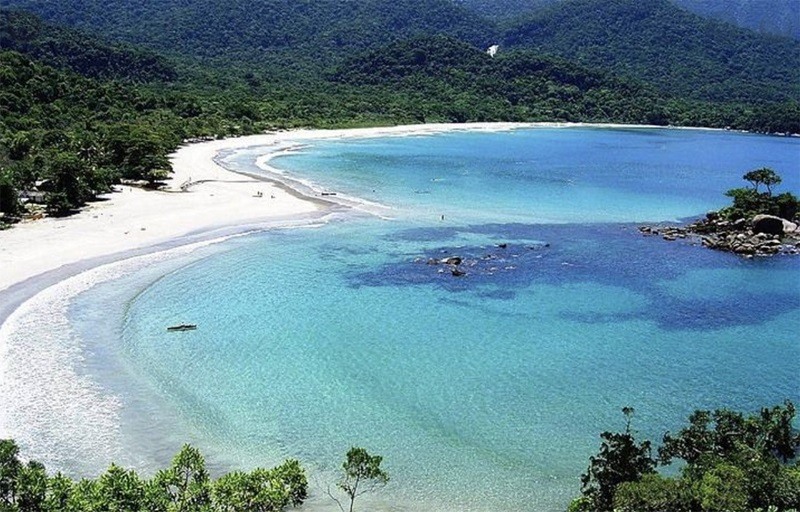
(46, 263)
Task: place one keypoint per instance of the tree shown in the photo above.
(722, 489)
(653, 493)
(725, 434)
(138, 151)
(733, 463)
(764, 176)
(362, 474)
(10, 467)
(59, 490)
(184, 487)
(69, 182)
(748, 202)
(261, 490)
(294, 481)
(118, 490)
(621, 459)
(32, 487)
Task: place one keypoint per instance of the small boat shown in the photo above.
(182, 327)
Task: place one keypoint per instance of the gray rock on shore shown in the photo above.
(772, 225)
(763, 235)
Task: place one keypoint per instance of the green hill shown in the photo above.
(286, 34)
(454, 80)
(778, 17)
(655, 42)
(505, 9)
(81, 53)
(680, 53)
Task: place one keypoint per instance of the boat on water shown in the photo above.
(182, 327)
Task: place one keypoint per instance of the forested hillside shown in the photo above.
(655, 41)
(285, 34)
(779, 17)
(680, 53)
(505, 9)
(84, 54)
(470, 85)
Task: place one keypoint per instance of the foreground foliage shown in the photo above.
(183, 487)
(729, 463)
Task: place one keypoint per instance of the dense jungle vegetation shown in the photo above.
(777, 17)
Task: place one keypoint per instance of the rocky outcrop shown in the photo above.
(767, 224)
(763, 235)
(772, 225)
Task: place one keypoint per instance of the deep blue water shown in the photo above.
(487, 391)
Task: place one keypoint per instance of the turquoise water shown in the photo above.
(484, 392)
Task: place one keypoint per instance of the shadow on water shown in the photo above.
(518, 257)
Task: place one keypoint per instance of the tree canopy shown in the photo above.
(748, 202)
(729, 462)
(183, 487)
(764, 176)
(362, 473)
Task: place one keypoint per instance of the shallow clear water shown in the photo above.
(546, 175)
(484, 392)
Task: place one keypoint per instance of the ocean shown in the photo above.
(485, 391)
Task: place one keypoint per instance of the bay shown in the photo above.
(486, 391)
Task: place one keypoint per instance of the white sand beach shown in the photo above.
(135, 218)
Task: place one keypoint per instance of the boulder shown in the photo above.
(768, 224)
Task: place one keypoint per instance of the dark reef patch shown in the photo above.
(520, 256)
